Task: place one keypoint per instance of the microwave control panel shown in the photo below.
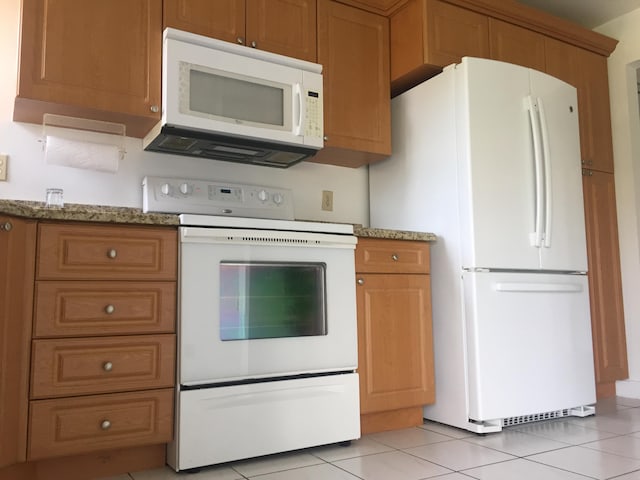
(215, 197)
(314, 120)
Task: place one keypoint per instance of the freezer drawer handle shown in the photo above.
(538, 287)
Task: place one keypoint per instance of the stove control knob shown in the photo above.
(263, 196)
(278, 198)
(186, 189)
(166, 189)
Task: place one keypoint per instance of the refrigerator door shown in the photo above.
(496, 166)
(564, 241)
(528, 343)
(520, 173)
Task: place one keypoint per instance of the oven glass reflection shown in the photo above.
(272, 300)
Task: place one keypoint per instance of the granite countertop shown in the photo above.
(97, 213)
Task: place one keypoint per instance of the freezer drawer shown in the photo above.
(528, 343)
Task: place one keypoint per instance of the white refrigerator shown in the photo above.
(487, 156)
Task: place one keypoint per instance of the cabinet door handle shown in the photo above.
(107, 366)
(361, 281)
(112, 253)
(154, 108)
(6, 226)
(254, 44)
(394, 257)
(240, 40)
(587, 173)
(109, 309)
(105, 425)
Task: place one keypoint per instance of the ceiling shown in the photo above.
(588, 13)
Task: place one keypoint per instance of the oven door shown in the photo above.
(260, 304)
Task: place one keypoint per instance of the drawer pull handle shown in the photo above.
(112, 253)
(394, 257)
(109, 309)
(7, 226)
(105, 425)
(361, 281)
(107, 366)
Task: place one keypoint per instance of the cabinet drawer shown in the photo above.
(391, 256)
(104, 308)
(101, 252)
(84, 366)
(100, 422)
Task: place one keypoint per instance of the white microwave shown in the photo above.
(235, 103)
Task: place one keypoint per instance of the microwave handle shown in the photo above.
(300, 109)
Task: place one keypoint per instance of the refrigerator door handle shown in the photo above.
(532, 107)
(537, 287)
(547, 174)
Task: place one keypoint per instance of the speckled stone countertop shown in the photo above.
(383, 233)
(98, 213)
(85, 213)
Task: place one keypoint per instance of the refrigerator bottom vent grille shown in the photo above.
(536, 417)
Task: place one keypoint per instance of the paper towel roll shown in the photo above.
(77, 154)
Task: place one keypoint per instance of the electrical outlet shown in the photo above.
(4, 160)
(327, 200)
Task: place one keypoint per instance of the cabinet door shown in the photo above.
(427, 35)
(605, 284)
(587, 71)
(513, 44)
(223, 19)
(17, 254)
(353, 47)
(97, 56)
(395, 344)
(287, 27)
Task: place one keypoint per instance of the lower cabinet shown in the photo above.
(605, 281)
(395, 341)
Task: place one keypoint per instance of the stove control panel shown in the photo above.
(215, 197)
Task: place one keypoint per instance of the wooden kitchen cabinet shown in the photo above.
(287, 27)
(17, 254)
(605, 281)
(104, 346)
(427, 35)
(587, 71)
(395, 340)
(514, 44)
(97, 60)
(353, 47)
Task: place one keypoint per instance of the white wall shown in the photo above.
(625, 120)
(29, 175)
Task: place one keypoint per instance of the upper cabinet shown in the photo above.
(96, 60)
(587, 71)
(427, 35)
(353, 47)
(513, 44)
(287, 27)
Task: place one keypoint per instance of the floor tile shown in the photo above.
(358, 448)
(408, 437)
(447, 430)
(617, 423)
(517, 443)
(391, 465)
(275, 463)
(452, 476)
(207, 473)
(117, 477)
(521, 469)
(588, 462)
(609, 405)
(458, 454)
(564, 431)
(314, 472)
(630, 476)
(625, 446)
(627, 402)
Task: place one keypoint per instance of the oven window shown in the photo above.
(272, 300)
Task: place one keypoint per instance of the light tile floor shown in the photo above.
(604, 446)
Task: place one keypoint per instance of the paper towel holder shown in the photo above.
(84, 129)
